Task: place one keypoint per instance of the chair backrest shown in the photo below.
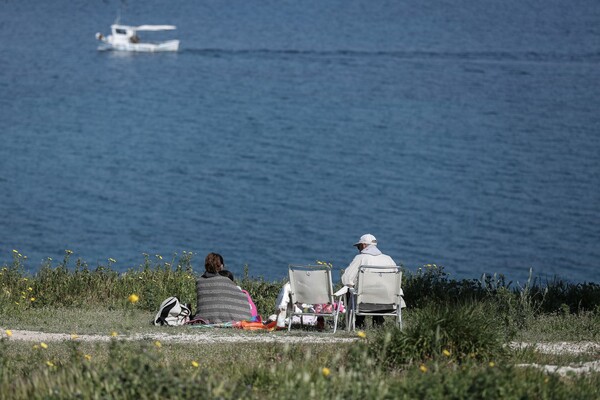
(379, 285)
(310, 284)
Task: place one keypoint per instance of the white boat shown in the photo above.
(125, 38)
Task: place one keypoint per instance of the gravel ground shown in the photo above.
(199, 336)
(560, 347)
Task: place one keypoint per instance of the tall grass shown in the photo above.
(447, 332)
(146, 370)
(73, 283)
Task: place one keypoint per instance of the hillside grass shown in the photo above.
(454, 344)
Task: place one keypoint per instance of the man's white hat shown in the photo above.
(367, 239)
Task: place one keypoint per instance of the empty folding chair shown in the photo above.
(311, 285)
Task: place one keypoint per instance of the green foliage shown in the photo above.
(75, 284)
(452, 331)
(432, 284)
(562, 326)
(102, 287)
(140, 370)
(489, 381)
(66, 285)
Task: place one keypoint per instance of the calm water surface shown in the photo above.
(282, 131)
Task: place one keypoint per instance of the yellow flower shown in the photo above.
(35, 346)
(74, 336)
(30, 289)
(8, 332)
(113, 334)
(133, 298)
(69, 252)
(32, 299)
(87, 357)
(157, 344)
(15, 251)
(49, 363)
(43, 345)
(423, 368)
(112, 260)
(325, 371)
(195, 364)
(159, 256)
(361, 334)
(492, 364)
(446, 353)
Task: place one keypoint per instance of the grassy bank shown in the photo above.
(453, 344)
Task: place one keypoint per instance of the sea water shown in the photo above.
(459, 134)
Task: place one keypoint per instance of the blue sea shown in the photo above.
(463, 134)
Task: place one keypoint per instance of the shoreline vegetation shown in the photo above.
(455, 342)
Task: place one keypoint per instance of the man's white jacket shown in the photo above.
(370, 255)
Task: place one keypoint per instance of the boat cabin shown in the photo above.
(122, 34)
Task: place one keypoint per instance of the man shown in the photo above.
(369, 254)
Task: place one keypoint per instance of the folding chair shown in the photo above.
(311, 285)
(378, 292)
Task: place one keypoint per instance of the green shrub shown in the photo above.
(452, 331)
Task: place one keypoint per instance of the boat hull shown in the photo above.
(171, 45)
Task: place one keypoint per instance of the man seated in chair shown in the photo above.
(369, 254)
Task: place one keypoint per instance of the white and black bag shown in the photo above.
(172, 313)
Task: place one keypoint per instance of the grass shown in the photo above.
(453, 344)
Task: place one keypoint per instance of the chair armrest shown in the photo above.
(342, 291)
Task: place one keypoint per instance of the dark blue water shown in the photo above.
(465, 135)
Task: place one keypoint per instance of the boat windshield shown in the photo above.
(121, 31)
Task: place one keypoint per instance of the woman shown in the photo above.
(218, 299)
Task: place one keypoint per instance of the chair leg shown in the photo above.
(350, 316)
(335, 319)
(347, 319)
(399, 317)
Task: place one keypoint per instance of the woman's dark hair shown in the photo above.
(226, 274)
(213, 263)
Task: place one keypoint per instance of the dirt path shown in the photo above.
(199, 336)
(560, 347)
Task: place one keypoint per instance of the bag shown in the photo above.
(172, 313)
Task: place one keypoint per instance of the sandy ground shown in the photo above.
(217, 336)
